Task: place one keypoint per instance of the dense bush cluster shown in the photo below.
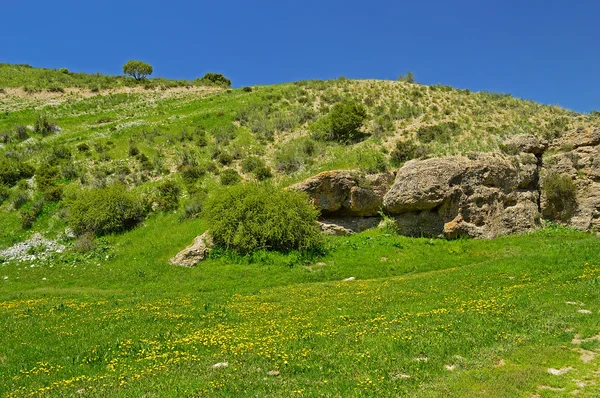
(342, 123)
(11, 171)
(104, 210)
(217, 78)
(251, 217)
(406, 150)
(441, 132)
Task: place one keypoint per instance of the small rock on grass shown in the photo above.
(220, 365)
(559, 372)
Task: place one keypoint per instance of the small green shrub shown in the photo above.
(83, 147)
(4, 193)
(224, 134)
(289, 159)
(407, 150)
(133, 150)
(262, 173)
(252, 163)
(408, 78)
(20, 199)
(561, 196)
(191, 174)
(43, 125)
(251, 217)
(167, 196)
(85, 243)
(11, 171)
(442, 132)
(29, 216)
(217, 78)
(104, 210)
(201, 139)
(229, 177)
(342, 123)
(20, 133)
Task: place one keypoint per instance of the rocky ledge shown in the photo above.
(481, 195)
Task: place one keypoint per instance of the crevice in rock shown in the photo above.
(536, 180)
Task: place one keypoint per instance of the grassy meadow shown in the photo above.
(372, 314)
(421, 318)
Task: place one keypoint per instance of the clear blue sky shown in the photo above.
(548, 51)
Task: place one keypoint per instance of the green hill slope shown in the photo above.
(191, 133)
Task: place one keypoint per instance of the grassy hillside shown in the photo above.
(190, 134)
(112, 317)
(33, 80)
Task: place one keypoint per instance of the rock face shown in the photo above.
(196, 252)
(582, 166)
(480, 196)
(346, 192)
(526, 143)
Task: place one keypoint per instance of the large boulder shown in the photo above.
(194, 253)
(346, 192)
(482, 195)
(526, 143)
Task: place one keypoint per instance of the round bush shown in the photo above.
(104, 210)
(230, 177)
(256, 216)
(342, 123)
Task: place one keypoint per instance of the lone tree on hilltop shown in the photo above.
(137, 69)
(408, 78)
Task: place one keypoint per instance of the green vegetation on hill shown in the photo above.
(39, 79)
(202, 136)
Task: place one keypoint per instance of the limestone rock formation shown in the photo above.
(526, 143)
(346, 192)
(483, 195)
(576, 139)
(582, 166)
(196, 252)
(480, 195)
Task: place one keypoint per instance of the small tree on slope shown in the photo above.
(137, 69)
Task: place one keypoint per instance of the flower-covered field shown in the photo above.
(516, 316)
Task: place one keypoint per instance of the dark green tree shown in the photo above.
(137, 69)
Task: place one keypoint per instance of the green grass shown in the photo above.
(41, 79)
(121, 321)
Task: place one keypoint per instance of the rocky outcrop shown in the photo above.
(526, 143)
(483, 195)
(346, 192)
(576, 139)
(196, 252)
(582, 166)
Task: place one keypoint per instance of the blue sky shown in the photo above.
(548, 51)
